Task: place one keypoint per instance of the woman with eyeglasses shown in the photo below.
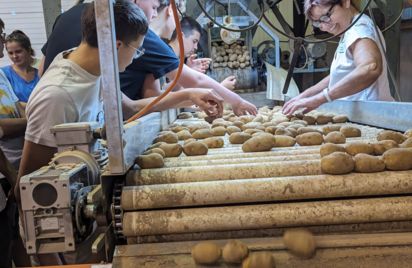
(358, 70)
(21, 74)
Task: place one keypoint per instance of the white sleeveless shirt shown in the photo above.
(343, 62)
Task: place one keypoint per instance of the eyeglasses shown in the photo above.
(324, 18)
(139, 52)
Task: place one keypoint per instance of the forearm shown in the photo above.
(316, 89)
(12, 127)
(193, 79)
(359, 79)
(7, 169)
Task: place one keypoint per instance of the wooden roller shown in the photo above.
(226, 172)
(265, 190)
(214, 162)
(267, 216)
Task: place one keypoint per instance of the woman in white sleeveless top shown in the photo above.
(358, 70)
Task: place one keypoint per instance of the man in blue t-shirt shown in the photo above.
(141, 78)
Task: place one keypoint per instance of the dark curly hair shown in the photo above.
(22, 39)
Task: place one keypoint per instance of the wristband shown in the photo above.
(326, 94)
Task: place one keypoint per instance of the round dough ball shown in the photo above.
(233, 129)
(213, 142)
(238, 123)
(284, 141)
(309, 139)
(335, 137)
(168, 137)
(340, 119)
(239, 137)
(328, 148)
(337, 163)
(195, 148)
(382, 146)
(330, 128)
(153, 160)
(202, 125)
(184, 135)
(391, 135)
(202, 133)
(218, 131)
(171, 150)
(283, 131)
(359, 147)
(234, 251)
(253, 125)
(350, 132)
(300, 243)
(156, 150)
(398, 159)
(261, 143)
(259, 260)
(365, 163)
(185, 115)
(206, 253)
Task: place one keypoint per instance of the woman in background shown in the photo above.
(22, 76)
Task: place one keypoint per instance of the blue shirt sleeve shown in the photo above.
(158, 59)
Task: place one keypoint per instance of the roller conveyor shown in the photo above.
(229, 194)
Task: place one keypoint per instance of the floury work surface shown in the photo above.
(358, 219)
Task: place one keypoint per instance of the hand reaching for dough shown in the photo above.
(200, 65)
(229, 82)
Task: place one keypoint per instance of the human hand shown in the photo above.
(208, 101)
(244, 107)
(229, 82)
(200, 65)
(301, 103)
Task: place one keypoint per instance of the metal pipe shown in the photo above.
(265, 190)
(267, 216)
(227, 172)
